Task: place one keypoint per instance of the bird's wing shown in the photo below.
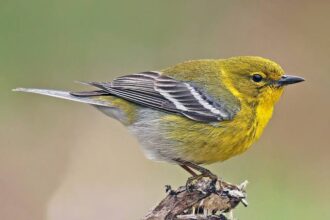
(155, 90)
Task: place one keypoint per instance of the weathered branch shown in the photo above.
(200, 200)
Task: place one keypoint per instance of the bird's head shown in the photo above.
(256, 79)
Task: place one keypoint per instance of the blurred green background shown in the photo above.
(66, 161)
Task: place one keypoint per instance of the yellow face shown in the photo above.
(257, 79)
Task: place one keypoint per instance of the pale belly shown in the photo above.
(165, 137)
(175, 137)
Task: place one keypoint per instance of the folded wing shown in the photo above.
(155, 90)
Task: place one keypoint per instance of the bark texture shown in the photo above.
(200, 199)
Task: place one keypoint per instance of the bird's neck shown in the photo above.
(264, 108)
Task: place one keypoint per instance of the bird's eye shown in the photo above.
(256, 77)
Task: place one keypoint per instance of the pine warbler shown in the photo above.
(196, 112)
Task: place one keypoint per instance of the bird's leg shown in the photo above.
(202, 170)
(186, 168)
(189, 167)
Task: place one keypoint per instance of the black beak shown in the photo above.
(287, 79)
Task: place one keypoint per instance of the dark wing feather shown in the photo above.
(154, 90)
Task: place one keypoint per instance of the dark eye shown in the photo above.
(256, 77)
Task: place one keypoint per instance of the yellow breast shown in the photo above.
(202, 143)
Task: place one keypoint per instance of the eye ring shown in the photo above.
(257, 77)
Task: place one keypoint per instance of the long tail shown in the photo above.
(88, 99)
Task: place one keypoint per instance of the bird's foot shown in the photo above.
(195, 179)
(207, 177)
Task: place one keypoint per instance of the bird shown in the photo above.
(193, 113)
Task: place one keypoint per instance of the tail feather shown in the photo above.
(89, 93)
(65, 95)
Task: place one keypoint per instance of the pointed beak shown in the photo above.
(287, 79)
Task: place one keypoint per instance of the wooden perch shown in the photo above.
(200, 200)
